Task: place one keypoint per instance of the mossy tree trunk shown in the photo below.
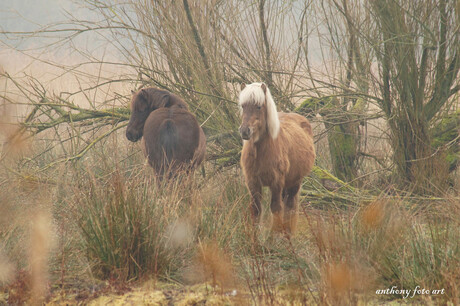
(343, 134)
(445, 137)
(343, 148)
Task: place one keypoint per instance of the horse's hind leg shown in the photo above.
(290, 208)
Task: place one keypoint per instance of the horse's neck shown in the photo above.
(265, 144)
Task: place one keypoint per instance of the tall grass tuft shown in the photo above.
(222, 213)
(212, 264)
(124, 225)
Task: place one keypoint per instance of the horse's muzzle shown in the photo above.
(133, 136)
(245, 132)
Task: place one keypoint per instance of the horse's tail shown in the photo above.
(168, 138)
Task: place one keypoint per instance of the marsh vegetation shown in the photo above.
(83, 218)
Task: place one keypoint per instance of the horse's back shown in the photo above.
(175, 130)
(298, 141)
(301, 121)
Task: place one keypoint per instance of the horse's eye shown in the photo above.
(259, 106)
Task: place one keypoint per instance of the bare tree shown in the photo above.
(404, 58)
(417, 48)
(199, 50)
(343, 103)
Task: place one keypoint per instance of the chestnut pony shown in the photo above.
(278, 152)
(173, 139)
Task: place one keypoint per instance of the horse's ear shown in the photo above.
(132, 92)
(264, 88)
(165, 101)
(142, 93)
(143, 99)
(242, 86)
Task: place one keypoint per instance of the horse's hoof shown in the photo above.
(278, 224)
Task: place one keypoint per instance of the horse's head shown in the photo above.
(140, 110)
(258, 112)
(143, 103)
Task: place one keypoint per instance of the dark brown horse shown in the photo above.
(278, 152)
(173, 139)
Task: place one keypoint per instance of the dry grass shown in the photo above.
(15, 143)
(211, 264)
(40, 243)
(6, 270)
(372, 215)
(113, 221)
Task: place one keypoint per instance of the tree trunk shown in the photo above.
(343, 143)
(412, 148)
(342, 134)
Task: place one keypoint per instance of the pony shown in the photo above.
(278, 152)
(172, 138)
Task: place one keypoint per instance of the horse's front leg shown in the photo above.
(277, 209)
(255, 188)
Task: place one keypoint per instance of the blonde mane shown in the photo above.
(254, 94)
